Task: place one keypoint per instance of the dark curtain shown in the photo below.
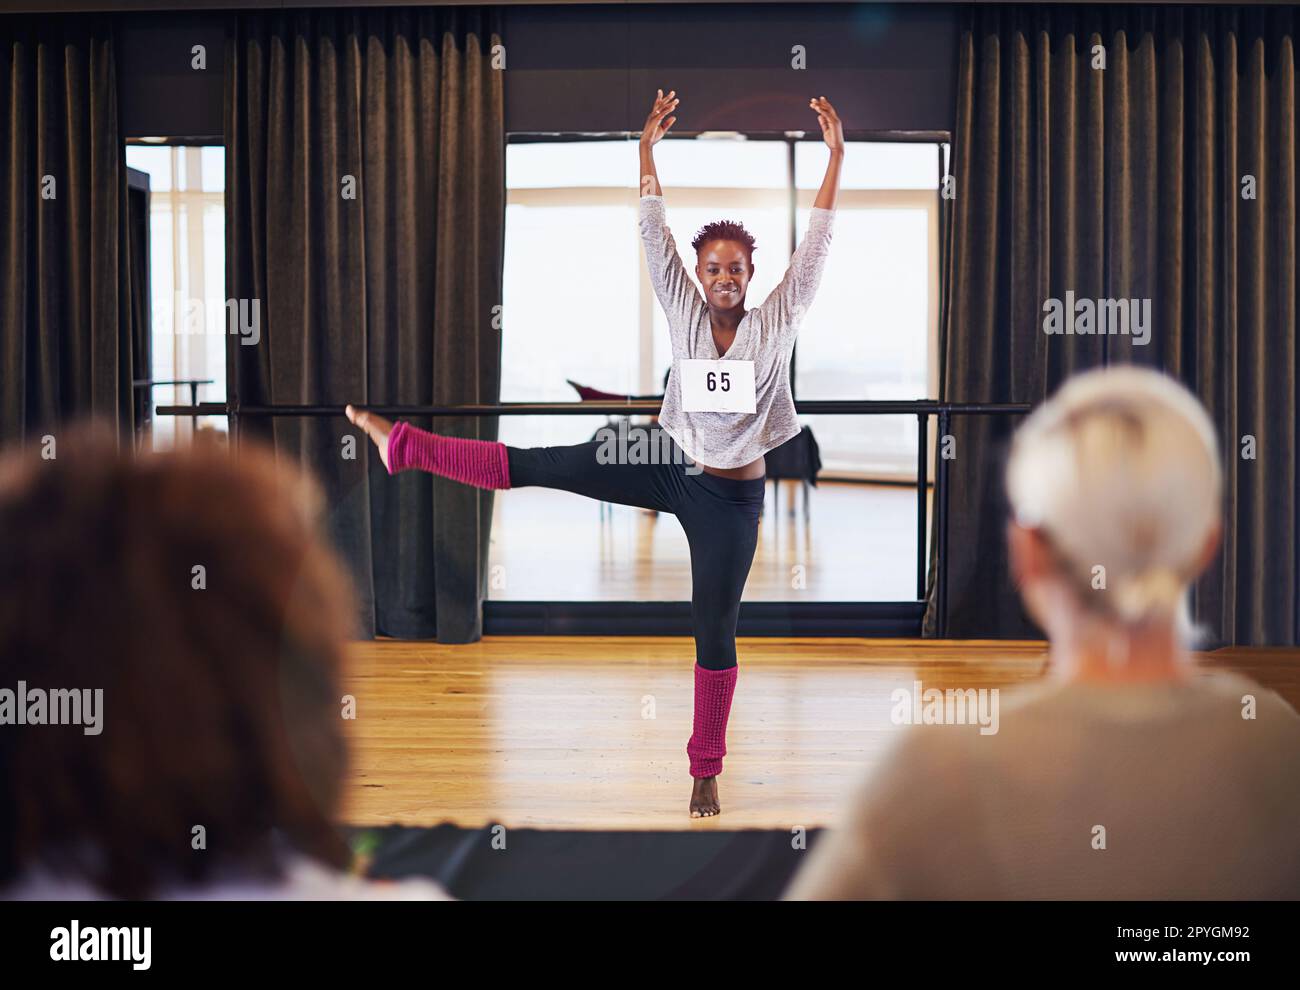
(365, 215)
(137, 201)
(1126, 182)
(65, 303)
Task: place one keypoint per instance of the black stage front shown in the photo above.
(753, 864)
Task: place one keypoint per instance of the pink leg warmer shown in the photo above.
(481, 463)
(708, 743)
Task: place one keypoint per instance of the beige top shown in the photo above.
(1195, 801)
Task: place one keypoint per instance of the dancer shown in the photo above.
(717, 497)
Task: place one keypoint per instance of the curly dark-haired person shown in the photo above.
(182, 609)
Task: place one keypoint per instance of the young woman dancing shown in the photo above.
(714, 477)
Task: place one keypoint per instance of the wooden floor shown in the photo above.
(590, 732)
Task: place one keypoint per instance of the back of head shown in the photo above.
(1119, 472)
(193, 590)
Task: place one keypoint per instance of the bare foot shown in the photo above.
(376, 427)
(704, 798)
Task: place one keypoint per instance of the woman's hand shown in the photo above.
(832, 130)
(655, 125)
(376, 427)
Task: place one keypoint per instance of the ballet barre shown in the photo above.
(922, 409)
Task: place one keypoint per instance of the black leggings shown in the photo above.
(720, 517)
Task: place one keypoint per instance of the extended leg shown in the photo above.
(592, 469)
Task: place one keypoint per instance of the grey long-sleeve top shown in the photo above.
(765, 336)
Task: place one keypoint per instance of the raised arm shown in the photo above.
(833, 134)
(657, 124)
(783, 310)
(672, 283)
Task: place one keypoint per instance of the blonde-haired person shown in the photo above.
(1125, 773)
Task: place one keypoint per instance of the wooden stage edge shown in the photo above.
(589, 732)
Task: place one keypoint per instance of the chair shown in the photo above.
(799, 457)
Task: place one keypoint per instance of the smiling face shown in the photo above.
(724, 270)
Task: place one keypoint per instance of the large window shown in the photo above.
(187, 270)
(871, 333)
(578, 303)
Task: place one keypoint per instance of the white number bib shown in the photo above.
(717, 386)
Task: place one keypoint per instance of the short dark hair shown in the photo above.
(221, 698)
(725, 230)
